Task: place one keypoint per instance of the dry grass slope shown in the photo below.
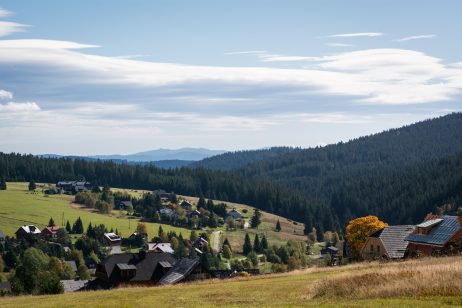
(427, 277)
(314, 287)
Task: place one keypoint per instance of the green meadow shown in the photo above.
(18, 206)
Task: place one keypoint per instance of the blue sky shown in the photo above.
(87, 77)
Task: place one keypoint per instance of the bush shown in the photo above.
(278, 268)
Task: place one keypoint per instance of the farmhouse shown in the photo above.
(50, 232)
(112, 239)
(166, 212)
(161, 247)
(73, 187)
(135, 268)
(185, 270)
(233, 214)
(124, 205)
(186, 205)
(24, 231)
(388, 243)
(435, 234)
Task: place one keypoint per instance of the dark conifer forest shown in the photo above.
(401, 175)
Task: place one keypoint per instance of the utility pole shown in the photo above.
(62, 220)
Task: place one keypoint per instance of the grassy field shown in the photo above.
(290, 230)
(18, 206)
(296, 289)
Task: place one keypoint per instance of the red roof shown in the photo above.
(51, 230)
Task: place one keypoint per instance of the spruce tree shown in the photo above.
(201, 203)
(68, 227)
(77, 228)
(160, 233)
(247, 245)
(51, 222)
(278, 226)
(90, 231)
(226, 242)
(32, 185)
(257, 244)
(255, 221)
(3, 184)
(264, 243)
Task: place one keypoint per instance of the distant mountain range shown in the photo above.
(164, 158)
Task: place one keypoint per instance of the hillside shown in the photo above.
(239, 159)
(406, 285)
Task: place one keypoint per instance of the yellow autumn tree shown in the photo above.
(359, 229)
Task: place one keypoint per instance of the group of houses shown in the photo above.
(434, 236)
(73, 187)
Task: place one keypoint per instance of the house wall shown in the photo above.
(368, 254)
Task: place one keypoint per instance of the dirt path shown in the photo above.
(216, 240)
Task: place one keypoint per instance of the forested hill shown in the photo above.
(403, 196)
(239, 159)
(219, 185)
(318, 172)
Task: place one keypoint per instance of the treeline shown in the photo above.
(221, 185)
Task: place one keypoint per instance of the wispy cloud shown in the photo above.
(357, 34)
(5, 94)
(4, 13)
(338, 45)
(8, 27)
(373, 76)
(416, 37)
(248, 52)
(13, 107)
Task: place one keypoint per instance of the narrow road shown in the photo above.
(216, 240)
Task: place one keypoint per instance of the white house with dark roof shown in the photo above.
(27, 230)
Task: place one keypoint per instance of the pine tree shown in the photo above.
(257, 244)
(51, 222)
(255, 221)
(247, 245)
(90, 231)
(160, 233)
(201, 203)
(226, 242)
(264, 243)
(68, 227)
(3, 184)
(278, 226)
(77, 228)
(32, 185)
(227, 253)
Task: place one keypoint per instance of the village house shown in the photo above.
(233, 214)
(194, 213)
(73, 187)
(166, 212)
(112, 239)
(184, 270)
(186, 205)
(387, 243)
(50, 232)
(133, 236)
(124, 205)
(24, 231)
(134, 268)
(161, 247)
(434, 235)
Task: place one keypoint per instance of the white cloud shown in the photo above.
(338, 45)
(416, 37)
(358, 34)
(249, 52)
(4, 13)
(8, 27)
(12, 107)
(374, 76)
(5, 94)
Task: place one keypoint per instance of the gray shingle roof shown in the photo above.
(180, 271)
(73, 285)
(393, 239)
(440, 234)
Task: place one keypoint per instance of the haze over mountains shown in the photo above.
(400, 174)
(182, 156)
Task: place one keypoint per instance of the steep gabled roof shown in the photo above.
(180, 271)
(440, 234)
(145, 266)
(393, 239)
(30, 229)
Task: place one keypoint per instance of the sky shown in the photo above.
(110, 76)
